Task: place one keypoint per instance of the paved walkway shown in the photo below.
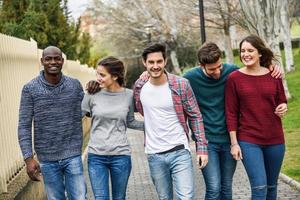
(140, 186)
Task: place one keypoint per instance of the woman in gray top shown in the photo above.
(112, 111)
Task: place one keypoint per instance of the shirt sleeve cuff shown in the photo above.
(201, 149)
(27, 155)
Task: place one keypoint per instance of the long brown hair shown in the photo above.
(267, 56)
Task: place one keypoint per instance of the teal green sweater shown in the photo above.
(210, 97)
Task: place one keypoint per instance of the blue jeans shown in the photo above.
(172, 168)
(100, 167)
(218, 173)
(66, 174)
(262, 164)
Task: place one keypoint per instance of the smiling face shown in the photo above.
(213, 70)
(249, 55)
(155, 64)
(104, 78)
(52, 61)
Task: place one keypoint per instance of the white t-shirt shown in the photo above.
(162, 127)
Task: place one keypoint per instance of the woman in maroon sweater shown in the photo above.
(255, 103)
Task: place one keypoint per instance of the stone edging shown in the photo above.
(291, 182)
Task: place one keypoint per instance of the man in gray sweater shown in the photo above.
(53, 102)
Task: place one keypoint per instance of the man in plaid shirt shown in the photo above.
(166, 101)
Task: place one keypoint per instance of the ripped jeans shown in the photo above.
(262, 164)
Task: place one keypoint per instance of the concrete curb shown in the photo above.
(291, 182)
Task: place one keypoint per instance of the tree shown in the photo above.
(220, 16)
(12, 12)
(294, 9)
(84, 47)
(130, 22)
(286, 33)
(47, 22)
(263, 18)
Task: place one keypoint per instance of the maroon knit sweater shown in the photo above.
(250, 104)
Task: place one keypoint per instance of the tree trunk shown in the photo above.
(175, 64)
(234, 40)
(285, 22)
(224, 5)
(228, 47)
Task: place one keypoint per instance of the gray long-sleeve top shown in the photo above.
(56, 113)
(112, 113)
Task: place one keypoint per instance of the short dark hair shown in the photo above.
(152, 48)
(115, 67)
(209, 53)
(267, 56)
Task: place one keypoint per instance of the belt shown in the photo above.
(173, 149)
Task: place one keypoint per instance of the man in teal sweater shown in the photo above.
(208, 83)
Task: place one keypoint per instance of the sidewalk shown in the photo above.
(140, 186)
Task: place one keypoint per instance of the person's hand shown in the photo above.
(144, 76)
(276, 71)
(92, 87)
(281, 110)
(236, 151)
(33, 169)
(202, 160)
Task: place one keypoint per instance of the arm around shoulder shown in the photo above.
(194, 116)
(131, 121)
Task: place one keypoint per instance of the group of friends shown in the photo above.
(233, 114)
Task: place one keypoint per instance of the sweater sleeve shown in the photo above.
(281, 98)
(131, 121)
(81, 92)
(25, 123)
(231, 105)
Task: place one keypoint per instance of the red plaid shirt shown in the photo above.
(185, 105)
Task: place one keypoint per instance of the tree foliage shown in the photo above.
(131, 23)
(48, 23)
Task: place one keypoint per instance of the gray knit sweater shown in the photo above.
(56, 113)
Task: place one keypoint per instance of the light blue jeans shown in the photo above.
(174, 168)
(218, 173)
(64, 175)
(262, 164)
(100, 167)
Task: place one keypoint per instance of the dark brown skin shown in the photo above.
(33, 169)
(92, 87)
(52, 61)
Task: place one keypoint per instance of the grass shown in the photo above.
(295, 29)
(291, 122)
